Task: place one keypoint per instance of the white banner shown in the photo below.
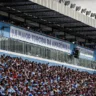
(86, 52)
(30, 37)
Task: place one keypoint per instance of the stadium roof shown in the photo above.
(88, 4)
(49, 21)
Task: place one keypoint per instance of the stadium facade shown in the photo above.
(19, 40)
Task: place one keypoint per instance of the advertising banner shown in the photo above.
(34, 38)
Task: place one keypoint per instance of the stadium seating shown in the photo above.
(20, 77)
(47, 48)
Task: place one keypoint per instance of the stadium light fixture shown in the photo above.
(73, 42)
(58, 25)
(72, 5)
(9, 7)
(61, 1)
(18, 11)
(83, 10)
(95, 16)
(28, 27)
(78, 8)
(13, 9)
(35, 17)
(44, 20)
(92, 14)
(30, 15)
(88, 12)
(67, 3)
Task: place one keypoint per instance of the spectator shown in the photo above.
(20, 77)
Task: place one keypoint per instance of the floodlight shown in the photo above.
(88, 12)
(67, 3)
(72, 5)
(93, 14)
(83, 10)
(78, 8)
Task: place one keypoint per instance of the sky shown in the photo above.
(90, 5)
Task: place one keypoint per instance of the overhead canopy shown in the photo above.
(48, 21)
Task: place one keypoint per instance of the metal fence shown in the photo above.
(18, 46)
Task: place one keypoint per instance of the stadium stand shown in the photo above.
(38, 47)
(20, 77)
(47, 48)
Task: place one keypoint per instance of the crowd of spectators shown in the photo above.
(20, 77)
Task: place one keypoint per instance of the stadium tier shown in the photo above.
(19, 40)
(46, 49)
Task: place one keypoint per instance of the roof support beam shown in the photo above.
(19, 5)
